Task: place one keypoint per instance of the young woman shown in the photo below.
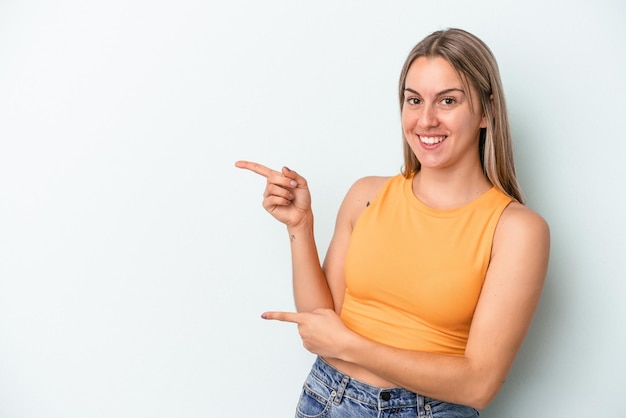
(433, 275)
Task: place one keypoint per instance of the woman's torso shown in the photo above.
(387, 196)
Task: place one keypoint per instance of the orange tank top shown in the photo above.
(414, 274)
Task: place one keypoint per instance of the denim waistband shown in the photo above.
(345, 386)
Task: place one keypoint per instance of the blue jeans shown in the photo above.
(328, 393)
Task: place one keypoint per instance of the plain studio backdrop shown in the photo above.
(135, 259)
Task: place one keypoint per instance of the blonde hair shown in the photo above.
(476, 65)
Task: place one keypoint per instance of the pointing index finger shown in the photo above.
(254, 167)
(282, 316)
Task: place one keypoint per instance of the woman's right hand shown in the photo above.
(286, 196)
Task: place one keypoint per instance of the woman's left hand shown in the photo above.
(321, 330)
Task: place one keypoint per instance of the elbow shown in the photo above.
(480, 403)
(483, 393)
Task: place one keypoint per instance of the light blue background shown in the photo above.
(135, 260)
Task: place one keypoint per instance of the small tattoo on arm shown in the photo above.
(292, 237)
(367, 204)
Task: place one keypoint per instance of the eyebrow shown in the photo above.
(441, 93)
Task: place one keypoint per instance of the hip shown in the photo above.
(330, 393)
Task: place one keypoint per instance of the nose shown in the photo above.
(428, 117)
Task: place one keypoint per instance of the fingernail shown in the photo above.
(264, 315)
(287, 168)
(294, 183)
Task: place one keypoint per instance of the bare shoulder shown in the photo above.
(519, 219)
(365, 189)
(522, 231)
(360, 195)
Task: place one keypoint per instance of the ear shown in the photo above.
(483, 120)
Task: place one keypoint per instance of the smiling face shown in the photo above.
(439, 122)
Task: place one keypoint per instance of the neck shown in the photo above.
(443, 189)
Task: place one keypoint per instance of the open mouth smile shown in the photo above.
(431, 140)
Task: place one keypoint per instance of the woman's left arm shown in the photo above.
(508, 300)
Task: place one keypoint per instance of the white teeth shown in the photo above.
(431, 140)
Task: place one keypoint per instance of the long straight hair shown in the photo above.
(476, 65)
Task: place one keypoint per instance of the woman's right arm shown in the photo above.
(362, 192)
(287, 198)
(308, 278)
